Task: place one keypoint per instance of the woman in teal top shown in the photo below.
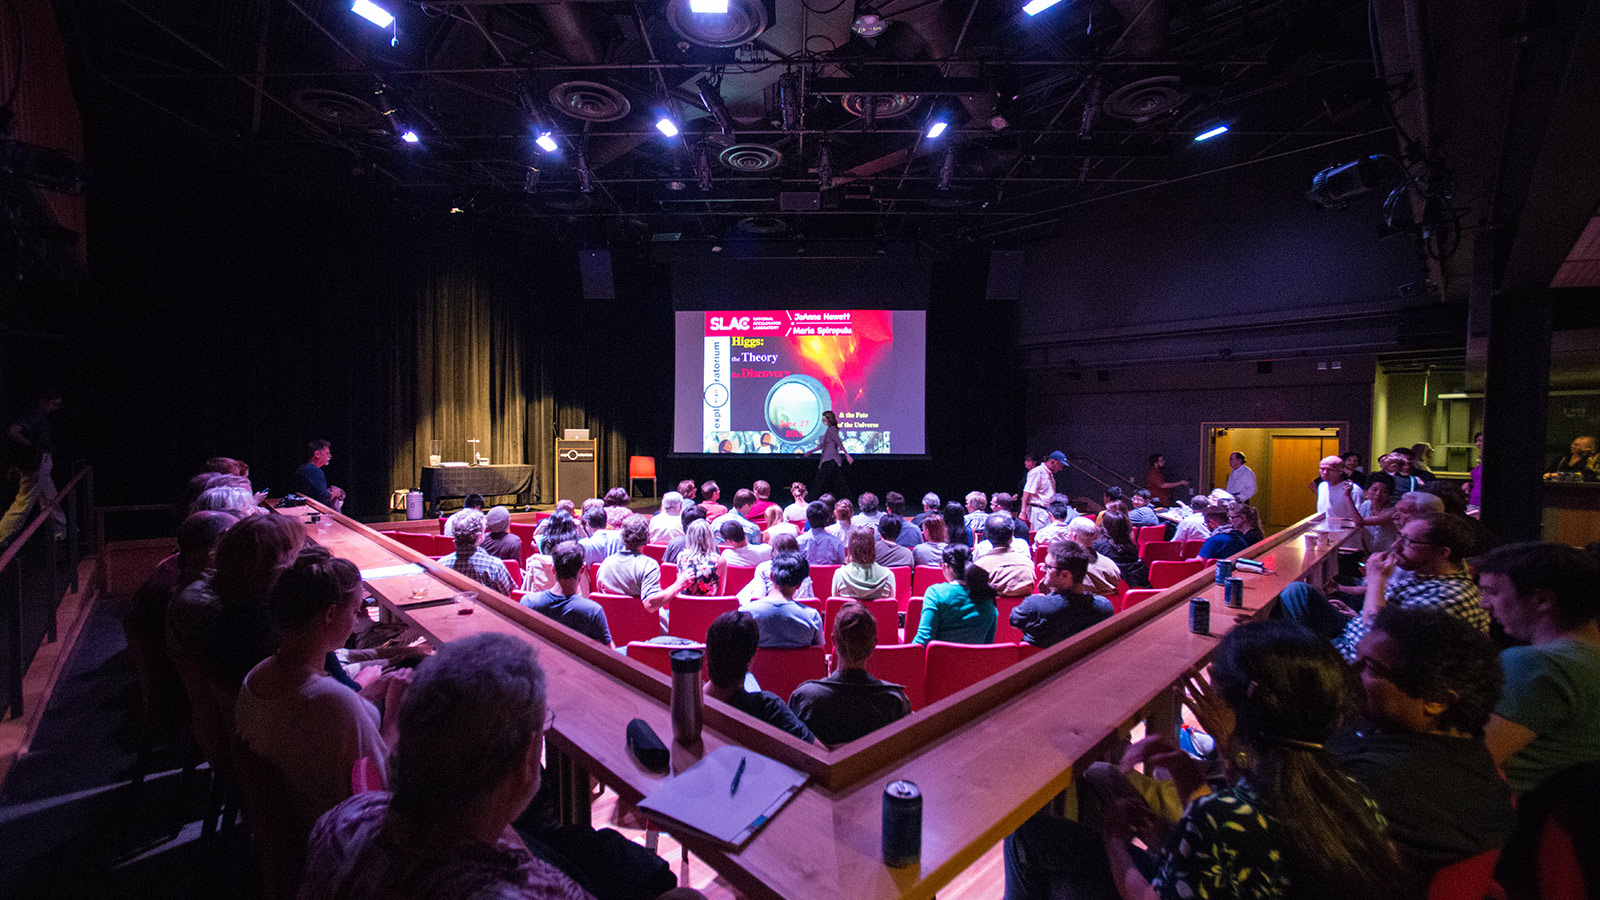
(862, 578)
(962, 609)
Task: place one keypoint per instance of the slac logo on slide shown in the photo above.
(716, 395)
(736, 323)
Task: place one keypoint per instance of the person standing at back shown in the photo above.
(29, 452)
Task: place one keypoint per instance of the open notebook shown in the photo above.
(699, 798)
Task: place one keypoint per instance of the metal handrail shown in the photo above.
(44, 513)
(1077, 458)
(21, 611)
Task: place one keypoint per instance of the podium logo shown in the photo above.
(575, 455)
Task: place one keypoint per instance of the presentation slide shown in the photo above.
(758, 381)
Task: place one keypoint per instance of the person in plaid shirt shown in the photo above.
(1433, 548)
(470, 559)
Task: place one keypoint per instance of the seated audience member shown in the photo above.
(763, 492)
(466, 764)
(291, 713)
(909, 536)
(1061, 513)
(470, 559)
(602, 540)
(687, 490)
(843, 512)
(1112, 494)
(796, 511)
(224, 465)
(563, 505)
(709, 494)
(1548, 719)
(221, 621)
(862, 578)
(1246, 520)
(1003, 503)
(700, 566)
(539, 572)
(869, 514)
(743, 501)
(1377, 514)
(1353, 469)
(1048, 619)
(229, 493)
(1143, 510)
(1010, 570)
(1224, 541)
(629, 572)
(198, 535)
(469, 502)
(891, 552)
(849, 703)
(740, 551)
(955, 524)
(1193, 527)
(566, 604)
(731, 643)
(499, 541)
(931, 504)
(961, 610)
(1103, 573)
(668, 523)
(1422, 462)
(761, 583)
(935, 538)
(1432, 549)
(1117, 543)
(785, 623)
(1427, 683)
(977, 512)
(1287, 823)
(820, 545)
(693, 512)
(773, 525)
(309, 479)
(1449, 493)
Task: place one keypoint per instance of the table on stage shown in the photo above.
(440, 482)
(986, 758)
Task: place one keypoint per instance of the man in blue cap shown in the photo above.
(1040, 489)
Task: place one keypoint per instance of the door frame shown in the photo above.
(1207, 427)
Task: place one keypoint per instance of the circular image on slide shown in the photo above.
(794, 409)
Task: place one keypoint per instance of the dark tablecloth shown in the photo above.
(490, 481)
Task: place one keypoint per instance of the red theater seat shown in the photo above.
(627, 618)
(1148, 533)
(1161, 550)
(886, 612)
(1134, 598)
(924, 577)
(781, 671)
(1167, 574)
(902, 664)
(525, 531)
(955, 667)
(656, 656)
(734, 578)
(689, 617)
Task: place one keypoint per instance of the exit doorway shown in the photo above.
(1284, 457)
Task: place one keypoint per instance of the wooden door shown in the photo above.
(1293, 469)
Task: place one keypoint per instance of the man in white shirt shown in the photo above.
(1193, 527)
(1242, 481)
(1061, 513)
(1340, 498)
(602, 541)
(1040, 488)
(740, 551)
(667, 524)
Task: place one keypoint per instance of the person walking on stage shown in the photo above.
(829, 479)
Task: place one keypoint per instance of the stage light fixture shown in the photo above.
(666, 126)
(547, 142)
(708, 7)
(530, 181)
(789, 101)
(702, 167)
(585, 177)
(711, 98)
(825, 166)
(410, 137)
(869, 25)
(1034, 7)
(937, 127)
(373, 13)
(947, 169)
(1335, 186)
(1210, 133)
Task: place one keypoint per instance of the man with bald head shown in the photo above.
(1340, 498)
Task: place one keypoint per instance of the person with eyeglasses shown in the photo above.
(1047, 619)
(1433, 549)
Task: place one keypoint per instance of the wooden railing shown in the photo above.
(986, 758)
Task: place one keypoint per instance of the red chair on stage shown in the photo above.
(886, 612)
(822, 580)
(1004, 631)
(924, 577)
(642, 468)
(416, 540)
(1161, 551)
(690, 617)
(781, 671)
(902, 583)
(657, 656)
(734, 578)
(1149, 533)
(1191, 548)
(627, 618)
(956, 667)
(525, 531)
(1134, 598)
(655, 551)
(902, 664)
(1167, 573)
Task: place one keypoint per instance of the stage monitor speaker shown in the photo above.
(1005, 275)
(577, 471)
(594, 266)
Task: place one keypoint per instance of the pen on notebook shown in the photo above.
(737, 774)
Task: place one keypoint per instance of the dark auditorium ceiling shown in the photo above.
(1089, 99)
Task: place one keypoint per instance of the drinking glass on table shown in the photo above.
(419, 586)
(467, 602)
